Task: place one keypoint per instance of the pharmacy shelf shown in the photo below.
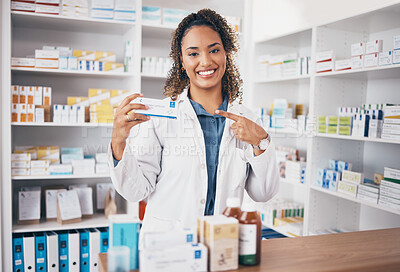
(97, 221)
(295, 79)
(380, 72)
(51, 124)
(157, 31)
(297, 184)
(63, 23)
(93, 176)
(364, 139)
(278, 132)
(286, 38)
(57, 72)
(153, 76)
(354, 199)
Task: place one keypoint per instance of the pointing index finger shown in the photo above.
(128, 99)
(229, 115)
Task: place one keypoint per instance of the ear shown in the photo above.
(181, 58)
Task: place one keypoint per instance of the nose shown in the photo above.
(205, 60)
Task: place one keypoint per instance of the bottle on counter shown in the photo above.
(232, 207)
(249, 236)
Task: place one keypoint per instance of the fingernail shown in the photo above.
(147, 107)
(148, 117)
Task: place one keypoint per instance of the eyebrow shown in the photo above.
(195, 48)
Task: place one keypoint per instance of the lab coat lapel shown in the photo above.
(228, 134)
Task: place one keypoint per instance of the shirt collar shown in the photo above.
(198, 108)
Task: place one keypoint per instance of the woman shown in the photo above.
(188, 167)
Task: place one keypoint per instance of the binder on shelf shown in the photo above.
(52, 251)
(103, 239)
(94, 249)
(40, 251)
(29, 252)
(63, 250)
(18, 253)
(84, 250)
(73, 252)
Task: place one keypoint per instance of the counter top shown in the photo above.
(376, 250)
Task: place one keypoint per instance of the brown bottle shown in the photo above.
(232, 208)
(249, 236)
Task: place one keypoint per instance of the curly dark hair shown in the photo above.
(178, 80)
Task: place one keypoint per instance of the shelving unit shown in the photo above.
(325, 93)
(74, 73)
(51, 124)
(52, 177)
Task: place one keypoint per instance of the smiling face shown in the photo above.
(204, 58)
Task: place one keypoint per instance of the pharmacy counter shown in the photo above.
(377, 250)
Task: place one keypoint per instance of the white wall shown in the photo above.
(282, 16)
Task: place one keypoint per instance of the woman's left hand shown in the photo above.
(245, 129)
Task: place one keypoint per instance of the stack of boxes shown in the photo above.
(156, 65)
(329, 178)
(75, 8)
(372, 51)
(48, 7)
(151, 15)
(25, 6)
(390, 189)
(125, 10)
(350, 182)
(30, 104)
(21, 164)
(102, 163)
(46, 59)
(39, 159)
(324, 61)
(391, 123)
(368, 191)
(102, 9)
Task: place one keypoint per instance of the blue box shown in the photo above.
(321, 177)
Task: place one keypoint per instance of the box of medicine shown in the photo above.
(325, 56)
(22, 112)
(341, 65)
(345, 121)
(22, 6)
(357, 49)
(83, 65)
(73, 114)
(333, 165)
(47, 9)
(160, 240)
(46, 64)
(151, 15)
(396, 42)
(344, 166)
(344, 130)
(173, 17)
(65, 114)
(84, 55)
(15, 94)
(20, 171)
(124, 16)
(357, 62)
(23, 94)
(102, 14)
(347, 188)
(81, 114)
(332, 129)
(385, 58)
(371, 60)
(44, 111)
(68, 158)
(374, 46)
(31, 150)
(353, 177)
(333, 120)
(40, 163)
(38, 95)
(63, 63)
(332, 177)
(99, 98)
(57, 114)
(105, 56)
(321, 178)
(47, 96)
(326, 66)
(221, 236)
(177, 258)
(83, 167)
(60, 169)
(124, 5)
(47, 54)
(111, 66)
(396, 56)
(39, 171)
(29, 95)
(30, 117)
(21, 157)
(20, 164)
(72, 63)
(124, 231)
(14, 113)
(53, 2)
(23, 62)
(39, 115)
(72, 100)
(157, 107)
(102, 4)
(322, 128)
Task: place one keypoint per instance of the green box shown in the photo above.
(322, 120)
(345, 121)
(333, 120)
(332, 129)
(345, 130)
(322, 129)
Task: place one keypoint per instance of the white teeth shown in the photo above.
(206, 73)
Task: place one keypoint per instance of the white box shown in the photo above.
(30, 94)
(102, 4)
(357, 49)
(47, 9)
(23, 62)
(102, 168)
(40, 163)
(353, 177)
(20, 164)
(178, 258)
(341, 65)
(385, 58)
(47, 54)
(101, 158)
(22, 112)
(396, 42)
(73, 114)
(102, 14)
(57, 113)
(47, 96)
(38, 95)
(80, 114)
(125, 16)
(39, 115)
(325, 56)
(374, 46)
(371, 60)
(15, 117)
(126, 5)
(396, 56)
(165, 239)
(46, 64)
(157, 107)
(63, 63)
(65, 114)
(72, 63)
(40, 171)
(83, 65)
(326, 66)
(20, 171)
(60, 169)
(21, 157)
(21, 6)
(30, 113)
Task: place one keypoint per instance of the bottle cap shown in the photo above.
(248, 207)
(233, 202)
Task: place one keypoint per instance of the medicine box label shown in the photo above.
(157, 108)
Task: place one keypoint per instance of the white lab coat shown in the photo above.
(166, 164)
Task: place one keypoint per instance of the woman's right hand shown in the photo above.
(124, 120)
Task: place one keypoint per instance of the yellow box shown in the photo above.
(112, 66)
(101, 108)
(72, 100)
(99, 55)
(115, 93)
(51, 153)
(84, 55)
(96, 92)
